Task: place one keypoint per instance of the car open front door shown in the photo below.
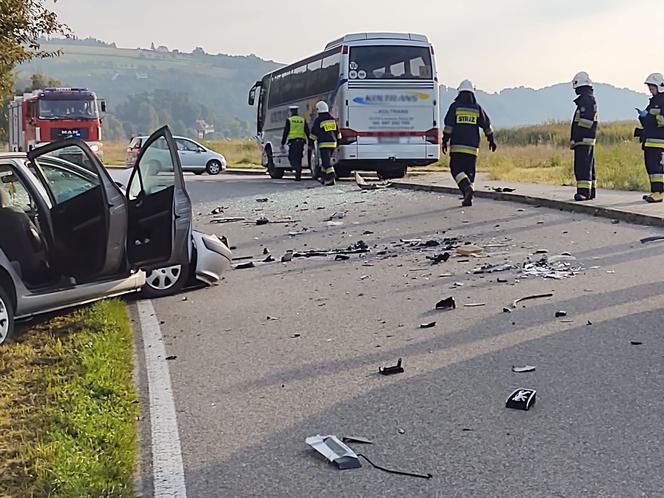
(88, 214)
(159, 207)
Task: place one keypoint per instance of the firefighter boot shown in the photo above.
(654, 197)
(580, 197)
(329, 180)
(468, 197)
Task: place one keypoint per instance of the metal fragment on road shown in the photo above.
(635, 343)
(287, 257)
(226, 220)
(335, 451)
(654, 238)
(561, 314)
(523, 369)
(474, 305)
(356, 440)
(446, 304)
(427, 325)
(396, 369)
(529, 298)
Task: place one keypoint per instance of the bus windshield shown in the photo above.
(390, 62)
(67, 109)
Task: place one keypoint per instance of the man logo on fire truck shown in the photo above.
(45, 116)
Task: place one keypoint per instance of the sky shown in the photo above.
(497, 44)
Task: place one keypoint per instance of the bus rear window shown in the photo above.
(390, 62)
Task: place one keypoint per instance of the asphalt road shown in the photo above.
(280, 352)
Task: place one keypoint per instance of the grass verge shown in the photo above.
(68, 407)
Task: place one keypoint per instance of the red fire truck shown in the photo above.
(51, 114)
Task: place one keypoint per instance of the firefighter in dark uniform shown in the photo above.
(584, 133)
(463, 121)
(296, 133)
(325, 133)
(652, 137)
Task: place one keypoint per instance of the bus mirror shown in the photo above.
(103, 105)
(252, 96)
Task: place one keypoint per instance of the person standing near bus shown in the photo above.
(463, 121)
(583, 136)
(325, 133)
(296, 133)
(652, 137)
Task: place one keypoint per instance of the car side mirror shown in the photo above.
(103, 106)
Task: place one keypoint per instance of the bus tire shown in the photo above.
(392, 173)
(342, 172)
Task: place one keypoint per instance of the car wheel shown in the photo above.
(165, 281)
(198, 173)
(213, 167)
(6, 317)
(392, 173)
(342, 172)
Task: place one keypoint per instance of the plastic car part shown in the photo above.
(396, 369)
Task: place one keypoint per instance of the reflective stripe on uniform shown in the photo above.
(448, 130)
(657, 178)
(328, 171)
(655, 112)
(585, 141)
(660, 121)
(327, 145)
(467, 116)
(464, 149)
(461, 177)
(488, 131)
(329, 125)
(586, 123)
(584, 184)
(654, 143)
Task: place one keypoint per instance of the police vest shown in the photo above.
(296, 128)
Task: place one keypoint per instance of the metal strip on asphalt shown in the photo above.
(168, 470)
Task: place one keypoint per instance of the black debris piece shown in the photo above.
(430, 243)
(217, 210)
(615, 222)
(503, 189)
(446, 304)
(397, 472)
(507, 310)
(367, 232)
(589, 323)
(439, 258)
(635, 343)
(488, 268)
(172, 357)
(262, 221)
(528, 298)
(287, 257)
(521, 399)
(560, 314)
(652, 239)
(356, 440)
(226, 220)
(427, 325)
(396, 369)
(245, 266)
(341, 257)
(295, 336)
(502, 280)
(262, 199)
(266, 251)
(523, 369)
(466, 429)
(269, 259)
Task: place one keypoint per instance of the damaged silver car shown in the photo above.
(70, 235)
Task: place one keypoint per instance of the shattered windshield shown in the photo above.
(68, 109)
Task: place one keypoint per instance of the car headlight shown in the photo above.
(94, 148)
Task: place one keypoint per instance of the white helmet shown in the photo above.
(293, 108)
(656, 79)
(322, 107)
(466, 86)
(581, 79)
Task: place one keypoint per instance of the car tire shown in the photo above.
(392, 173)
(198, 173)
(6, 317)
(342, 172)
(213, 167)
(162, 282)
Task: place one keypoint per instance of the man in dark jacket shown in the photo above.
(652, 137)
(584, 132)
(463, 121)
(296, 133)
(325, 132)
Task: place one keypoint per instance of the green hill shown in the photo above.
(200, 85)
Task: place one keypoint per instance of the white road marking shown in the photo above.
(168, 470)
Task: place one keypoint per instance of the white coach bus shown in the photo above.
(381, 87)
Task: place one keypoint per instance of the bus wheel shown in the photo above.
(342, 172)
(392, 173)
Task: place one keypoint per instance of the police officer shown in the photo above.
(296, 133)
(652, 137)
(584, 132)
(325, 132)
(463, 121)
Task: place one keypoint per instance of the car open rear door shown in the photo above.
(160, 217)
(88, 215)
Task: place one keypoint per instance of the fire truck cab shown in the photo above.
(53, 114)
